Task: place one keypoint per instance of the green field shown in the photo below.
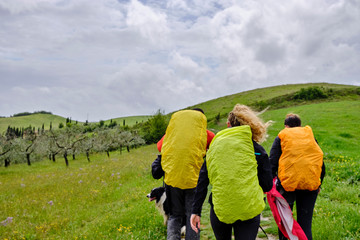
(34, 120)
(37, 120)
(335, 125)
(106, 198)
(130, 121)
(213, 107)
(224, 105)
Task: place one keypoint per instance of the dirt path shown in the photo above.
(269, 236)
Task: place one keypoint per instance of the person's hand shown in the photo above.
(195, 222)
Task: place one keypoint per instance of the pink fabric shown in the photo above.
(283, 215)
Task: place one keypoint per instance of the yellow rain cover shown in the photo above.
(184, 148)
(301, 159)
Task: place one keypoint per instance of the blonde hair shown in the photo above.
(244, 115)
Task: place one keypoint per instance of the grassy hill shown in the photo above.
(276, 97)
(130, 121)
(105, 198)
(224, 105)
(335, 126)
(35, 120)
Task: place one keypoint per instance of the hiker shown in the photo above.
(238, 169)
(183, 149)
(297, 162)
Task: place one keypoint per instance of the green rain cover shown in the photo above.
(232, 170)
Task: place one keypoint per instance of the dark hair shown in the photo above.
(233, 120)
(198, 109)
(292, 120)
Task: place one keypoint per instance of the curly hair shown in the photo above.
(244, 115)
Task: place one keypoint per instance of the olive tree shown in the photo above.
(26, 145)
(87, 145)
(105, 140)
(67, 139)
(5, 148)
(48, 145)
(129, 139)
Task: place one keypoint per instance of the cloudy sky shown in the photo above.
(104, 59)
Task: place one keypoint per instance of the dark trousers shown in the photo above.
(305, 203)
(246, 230)
(180, 202)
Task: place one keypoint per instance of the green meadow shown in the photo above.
(34, 120)
(224, 105)
(103, 199)
(106, 198)
(335, 126)
(38, 120)
(130, 121)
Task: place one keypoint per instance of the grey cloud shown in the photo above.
(270, 53)
(108, 58)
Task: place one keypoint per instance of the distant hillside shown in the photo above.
(129, 121)
(335, 125)
(275, 97)
(35, 120)
(223, 105)
(86, 187)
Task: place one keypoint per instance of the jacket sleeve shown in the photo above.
(264, 170)
(156, 169)
(322, 172)
(201, 190)
(160, 143)
(210, 136)
(275, 154)
(322, 168)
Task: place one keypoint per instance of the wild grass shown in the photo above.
(335, 126)
(224, 105)
(105, 199)
(35, 120)
(129, 121)
(212, 108)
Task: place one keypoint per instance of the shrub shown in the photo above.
(28, 113)
(154, 128)
(217, 118)
(310, 93)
